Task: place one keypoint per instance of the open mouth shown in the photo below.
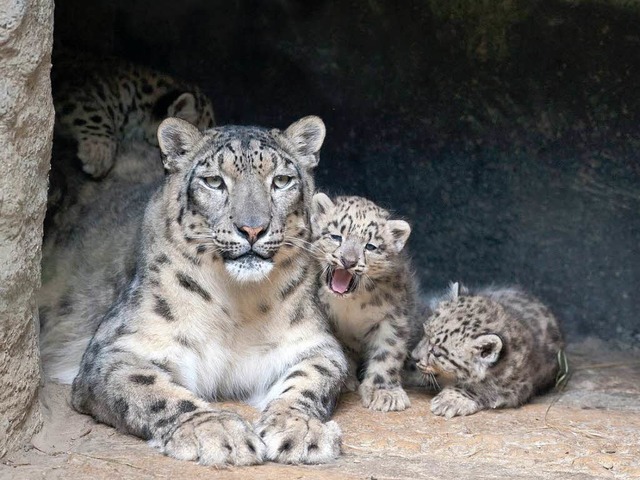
(340, 281)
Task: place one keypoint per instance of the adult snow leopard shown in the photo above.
(200, 289)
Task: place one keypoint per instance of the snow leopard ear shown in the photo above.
(176, 139)
(306, 135)
(487, 348)
(456, 290)
(184, 107)
(400, 231)
(320, 205)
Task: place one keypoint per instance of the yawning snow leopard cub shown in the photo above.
(100, 102)
(492, 348)
(367, 289)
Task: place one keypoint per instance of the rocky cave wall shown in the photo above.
(26, 125)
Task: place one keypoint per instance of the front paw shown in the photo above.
(451, 403)
(293, 437)
(213, 438)
(384, 399)
(97, 155)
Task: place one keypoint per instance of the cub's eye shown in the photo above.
(281, 182)
(371, 247)
(216, 182)
(337, 238)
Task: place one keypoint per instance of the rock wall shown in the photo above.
(26, 125)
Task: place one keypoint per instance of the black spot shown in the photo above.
(143, 379)
(251, 447)
(310, 395)
(228, 447)
(79, 122)
(96, 118)
(286, 390)
(380, 356)
(121, 407)
(264, 308)
(186, 406)
(190, 284)
(378, 380)
(158, 406)
(162, 259)
(162, 309)
(321, 370)
(313, 446)
(285, 447)
(145, 433)
(294, 374)
(298, 315)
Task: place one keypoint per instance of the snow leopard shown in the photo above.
(163, 296)
(102, 101)
(368, 290)
(488, 348)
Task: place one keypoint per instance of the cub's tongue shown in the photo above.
(340, 280)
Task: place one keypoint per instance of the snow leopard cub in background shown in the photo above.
(368, 291)
(101, 102)
(490, 348)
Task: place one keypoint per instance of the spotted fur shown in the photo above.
(492, 348)
(367, 288)
(101, 102)
(199, 289)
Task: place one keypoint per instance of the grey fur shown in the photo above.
(183, 325)
(491, 348)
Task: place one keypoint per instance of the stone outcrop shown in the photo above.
(26, 125)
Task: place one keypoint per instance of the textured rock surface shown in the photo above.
(589, 431)
(26, 123)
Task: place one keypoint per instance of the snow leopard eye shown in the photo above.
(337, 238)
(216, 182)
(370, 247)
(281, 182)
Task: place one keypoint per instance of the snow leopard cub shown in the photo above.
(367, 289)
(101, 102)
(492, 348)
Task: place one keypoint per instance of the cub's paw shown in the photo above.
(292, 437)
(451, 403)
(213, 438)
(384, 399)
(97, 155)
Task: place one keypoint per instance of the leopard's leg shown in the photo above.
(120, 388)
(381, 387)
(295, 426)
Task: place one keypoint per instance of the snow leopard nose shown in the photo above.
(252, 234)
(348, 263)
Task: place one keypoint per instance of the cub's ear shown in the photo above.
(176, 139)
(400, 231)
(320, 205)
(307, 135)
(184, 107)
(487, 348)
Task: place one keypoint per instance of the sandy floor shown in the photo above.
(591, 430)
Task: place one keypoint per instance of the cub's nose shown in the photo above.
(252, 234)
(348, 263)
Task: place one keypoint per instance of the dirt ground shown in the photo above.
(590, 430)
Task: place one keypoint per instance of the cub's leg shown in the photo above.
(453, 401)
(121, 389)
(386, 351)
(294, 425)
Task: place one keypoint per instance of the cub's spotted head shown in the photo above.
(459, 342)
(355, 241)
(191, 105)
(243, 193)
